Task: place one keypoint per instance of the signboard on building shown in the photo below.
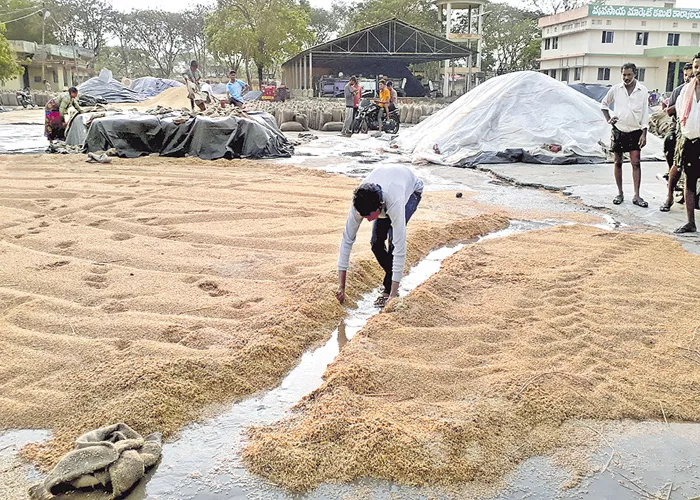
(642, 12)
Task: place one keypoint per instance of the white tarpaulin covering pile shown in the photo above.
(516, 117)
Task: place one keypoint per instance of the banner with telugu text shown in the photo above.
(643, 12)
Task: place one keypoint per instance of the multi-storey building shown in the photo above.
(590, 44)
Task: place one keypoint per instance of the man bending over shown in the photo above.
(388, 196)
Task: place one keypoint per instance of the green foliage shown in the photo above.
(419, 13)
(29, 28)
(263, 31)
(325, 24)
(80, 22)
(511, 38)
(8, 66)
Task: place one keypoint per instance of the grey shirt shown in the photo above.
(193, 76)
(672, 102)
(349, 96)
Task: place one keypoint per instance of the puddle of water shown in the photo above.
(22, 139)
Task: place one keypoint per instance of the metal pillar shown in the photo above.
(311, 74)
(448, 31)
(480, 32)
(304, 78)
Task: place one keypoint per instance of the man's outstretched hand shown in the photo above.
(340, 295)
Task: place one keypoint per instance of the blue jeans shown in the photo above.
(381, 231)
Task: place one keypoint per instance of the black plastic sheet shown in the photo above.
(203, 137)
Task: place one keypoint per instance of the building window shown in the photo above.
(695, 39)
(545, 72)
(673, 39)
(675, 25)
(604, 74)
(609, 36)
(565, 75)
(669, 5)
(37, 79)
(642, 38)
(644, 23)
(695, 25)
(608, 22)
(547, 43)
(553, 73)
(577, 74)
(55, 76)
(555, 42)
(641, 73)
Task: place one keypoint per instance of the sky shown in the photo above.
(177, 5)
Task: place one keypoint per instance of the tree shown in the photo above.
(8, 66)
(419, 13)
(511, 38)
(548, 7)
(195, 37)
(325, 24)
(262, 31)
(80, 22)
(28, 27)
(159, 35)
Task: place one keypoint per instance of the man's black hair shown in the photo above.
(72, 90)
(688, 65)
(631, 66)
(389, 84)
(367, 199)
(193, 63)
(697, 56)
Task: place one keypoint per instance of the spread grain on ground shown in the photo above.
(146, 291)
(491, 360)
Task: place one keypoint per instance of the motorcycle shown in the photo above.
(24, 98)
(368, 119)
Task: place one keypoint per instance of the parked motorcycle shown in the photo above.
(368, 119)
(25, 98)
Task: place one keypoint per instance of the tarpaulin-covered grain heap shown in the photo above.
(136, 134)
(149, 86)
(523, 116)
(109, 89)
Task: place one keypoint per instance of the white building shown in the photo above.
(590, 44)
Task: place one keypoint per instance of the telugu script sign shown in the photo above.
(643, 12)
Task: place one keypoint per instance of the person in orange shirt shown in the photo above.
(383, 102)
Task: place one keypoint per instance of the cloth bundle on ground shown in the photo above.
(149, 86)
(109, 89)
(114, 457)
(209, 138)
(516, 117)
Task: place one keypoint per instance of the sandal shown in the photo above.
(618, 199)
(666, 207)
(686, 228)
(640, 203)
(381, 301)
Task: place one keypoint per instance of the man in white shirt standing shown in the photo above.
(630, 121)
(388, 196)
(688, 111)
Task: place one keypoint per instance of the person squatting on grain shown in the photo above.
(630, 122)
(389, 196)
(688, 110)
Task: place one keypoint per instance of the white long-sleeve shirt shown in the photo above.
(398, 183)
(631, 110)
(691, 129)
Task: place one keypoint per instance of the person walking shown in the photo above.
(630, 122)
(349, 92)
(688, 107)
(389, 196)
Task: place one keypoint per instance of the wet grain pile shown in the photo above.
(147, 291)
(491, 361)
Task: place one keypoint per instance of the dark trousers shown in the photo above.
(381, 231)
